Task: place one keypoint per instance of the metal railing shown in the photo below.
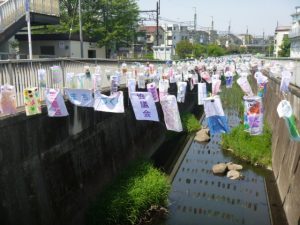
(24, 73)
(292, 63)
(12, 10)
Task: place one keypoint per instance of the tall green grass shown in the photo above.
(190, 123)
(255, 149)
(125, 201)
(232, 98)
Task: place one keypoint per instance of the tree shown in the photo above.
(215, 50)
(199, 50)
(285, 47)
(243, 49)
(184, 49)
(111, 22)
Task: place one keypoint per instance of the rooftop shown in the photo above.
(283, 28)
(150, 29)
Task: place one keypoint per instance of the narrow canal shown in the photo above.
(199, 197)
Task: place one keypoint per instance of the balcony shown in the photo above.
(295, 32)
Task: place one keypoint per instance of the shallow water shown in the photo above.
(200, 198)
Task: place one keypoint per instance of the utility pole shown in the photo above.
(27, 9)
(157, 11)
(264, 41)
(195, 19)
(157, 21)
(212, 23)
(229, 27)
(247, 36)
(80, 29)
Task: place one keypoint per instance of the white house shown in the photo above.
(294, 34)
(280, 33)
(59, 45)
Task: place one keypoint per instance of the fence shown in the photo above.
(24, 73)
(295, 69)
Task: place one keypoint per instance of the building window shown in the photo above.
(169, 38)
(174, 37)
(169, 28)
(91, 54)
(47, 50)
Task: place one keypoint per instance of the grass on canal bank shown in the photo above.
(190, 123)
(126, 200)
(255, 149)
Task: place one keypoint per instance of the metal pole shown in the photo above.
(80, 29)
(157, 33)
(27, 9)
(195, 19)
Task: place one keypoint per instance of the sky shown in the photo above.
(258, 15)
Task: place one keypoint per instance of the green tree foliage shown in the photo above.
(215, 50)
(111, 22)
(184, 49)
(285, 47)
(199, 50)
(242, 50)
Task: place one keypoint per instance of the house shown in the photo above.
(151, 34)
(294, 34)
(199, 36)
(229, 40)
(59, 45)
(246, 39)
(280, 33)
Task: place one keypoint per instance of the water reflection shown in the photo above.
(199, 197)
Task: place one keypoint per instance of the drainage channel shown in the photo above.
(199, 197)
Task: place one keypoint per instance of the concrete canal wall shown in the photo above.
(285, 152)
(51, 168)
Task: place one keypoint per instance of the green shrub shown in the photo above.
(149, 56)
(125, 201)
(256, 149)
(190, 123)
